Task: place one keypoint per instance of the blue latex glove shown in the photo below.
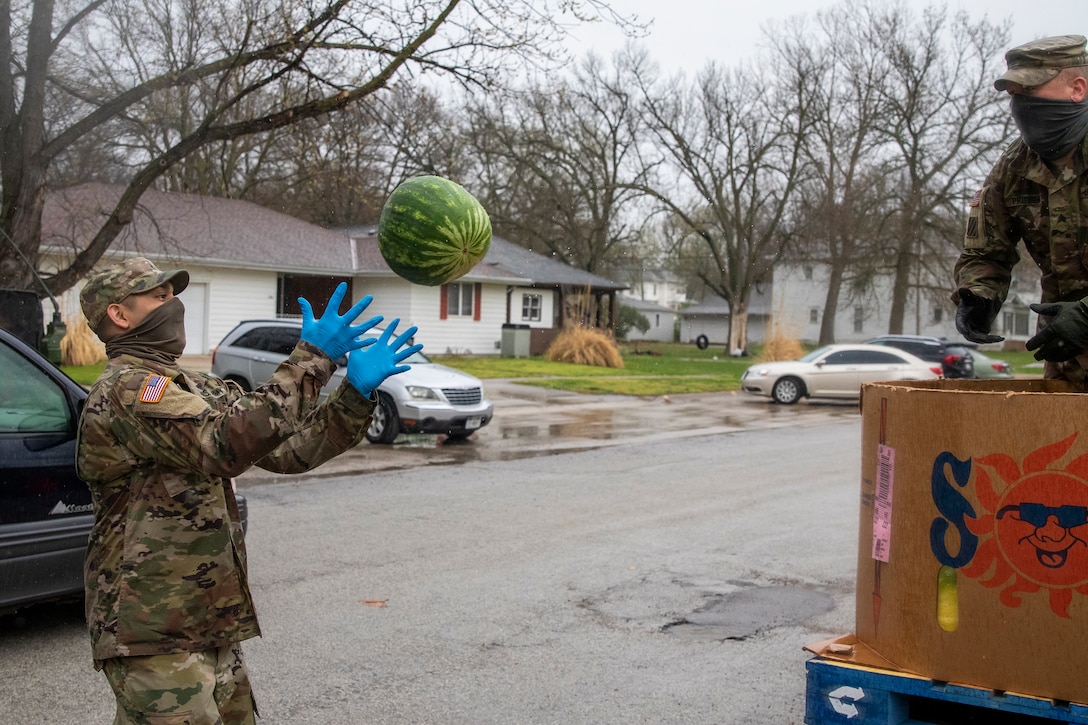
(332, 334)
(369, 366)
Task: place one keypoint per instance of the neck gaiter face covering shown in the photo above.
(1051, 128)
(160, 337)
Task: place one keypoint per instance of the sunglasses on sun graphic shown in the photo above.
(1038, 514)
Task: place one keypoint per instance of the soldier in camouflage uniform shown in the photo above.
(167, 597)
(1036, 193)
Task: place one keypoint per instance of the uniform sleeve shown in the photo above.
(334, 427)
(220, 432)
(989, 244)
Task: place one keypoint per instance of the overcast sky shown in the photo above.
(687, 33)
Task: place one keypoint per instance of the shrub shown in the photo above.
(584, 346)
(629, 318)
(79, 346)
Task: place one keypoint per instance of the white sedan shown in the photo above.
(834, 371)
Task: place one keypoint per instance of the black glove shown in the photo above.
(974, 315)
(1067, 334)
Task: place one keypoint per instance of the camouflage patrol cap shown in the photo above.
(1035, 63)
(132, 277)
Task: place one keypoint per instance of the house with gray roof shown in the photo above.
(249, 262)
(662, 320)
(707, 322)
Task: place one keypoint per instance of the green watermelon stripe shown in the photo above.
(433, 231)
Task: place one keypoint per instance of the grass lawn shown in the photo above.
(650, 368)
(1023, 362)
(83, 374)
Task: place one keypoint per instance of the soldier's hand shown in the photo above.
(369, 366)
(1067, 334)
(334, 334)
(974, 315)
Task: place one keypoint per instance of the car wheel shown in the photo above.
(702, 342)
(242, 382)
(788, 391)
(385, 423)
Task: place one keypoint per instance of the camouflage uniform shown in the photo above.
(1024, 199)
(166, 564)
(190, 688)
(165, 572)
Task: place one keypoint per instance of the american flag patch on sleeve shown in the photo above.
(154, 387)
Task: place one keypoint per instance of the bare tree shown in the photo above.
(842, 207)
(112, 66)
(338, 170)
(735, 140)
(560, 162)
(943, 123)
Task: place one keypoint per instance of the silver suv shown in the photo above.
(429, 398)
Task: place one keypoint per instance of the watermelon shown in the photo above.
(432, 231)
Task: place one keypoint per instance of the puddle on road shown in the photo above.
(746, 612)
(523, 435)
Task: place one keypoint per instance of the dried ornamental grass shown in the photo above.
(584, 346)
(80, 346)
(781, 348)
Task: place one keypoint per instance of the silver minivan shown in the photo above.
(429, 398)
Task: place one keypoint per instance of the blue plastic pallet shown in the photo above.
(840, 693)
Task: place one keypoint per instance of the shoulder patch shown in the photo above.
(153, 389)
(977, 198)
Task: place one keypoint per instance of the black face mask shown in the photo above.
(159, 337)
(1051, 128)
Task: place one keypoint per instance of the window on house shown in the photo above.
(530, 308)
(814, 315)
(808, 273)
(1015, 322)
(938, 314)
(859, 319)
(459, 299)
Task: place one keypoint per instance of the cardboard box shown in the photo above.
(973, 544)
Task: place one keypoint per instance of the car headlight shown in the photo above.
(418, 392)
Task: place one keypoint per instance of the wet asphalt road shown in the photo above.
(531, 422)
(656, 562)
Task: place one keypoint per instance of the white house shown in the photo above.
(799, 298)
(662, 320)
(657, 286)
(249, 262)
(707, 322)
(794, 306)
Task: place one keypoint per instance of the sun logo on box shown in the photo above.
(1033, 531)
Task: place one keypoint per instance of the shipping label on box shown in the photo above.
(973, 545)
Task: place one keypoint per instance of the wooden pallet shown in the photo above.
(840, 693)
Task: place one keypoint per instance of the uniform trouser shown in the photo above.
(189, 688)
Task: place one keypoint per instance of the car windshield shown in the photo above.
(818, 352)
